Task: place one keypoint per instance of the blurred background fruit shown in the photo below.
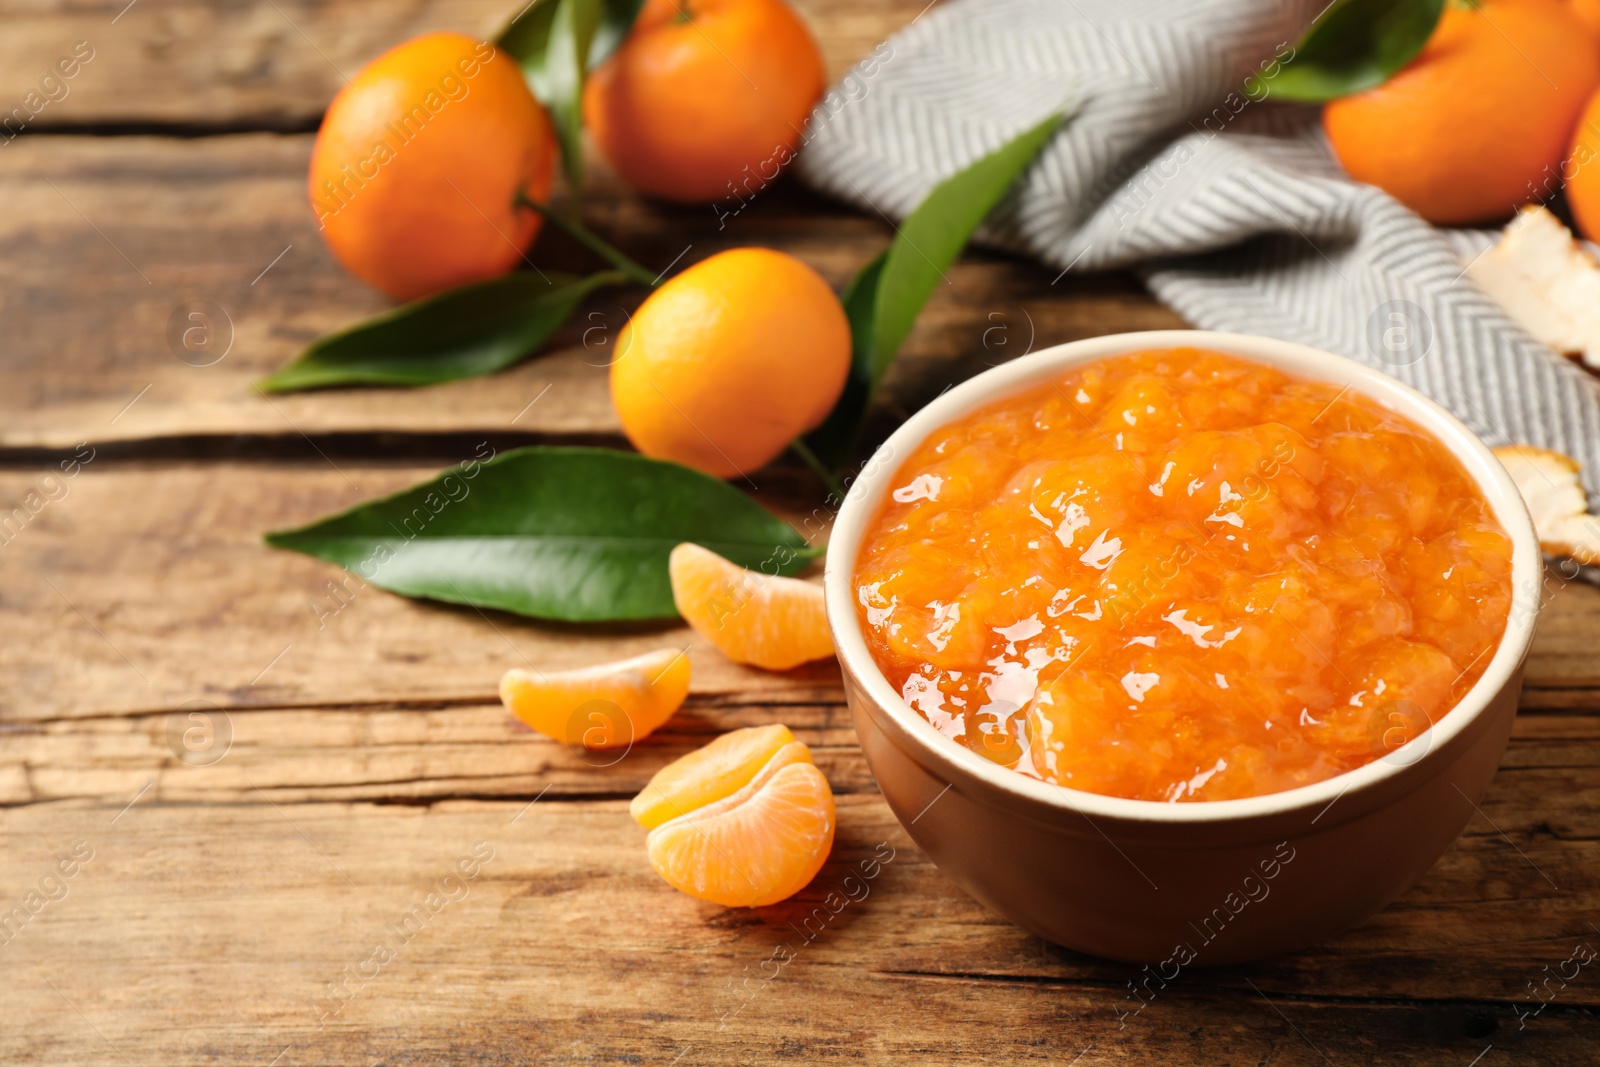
(420, 161)
(706, 99)
(1588, 12)
(1479, 122)
(1583, 171)
(731, 360)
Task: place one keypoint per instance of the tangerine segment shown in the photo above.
(609, 705)
(754, 618)
(709, 774)
(756, 848)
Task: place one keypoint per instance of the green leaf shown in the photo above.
(1353, 45)
(883, 301)
(462, 333)
(835, 440)
(616, 19)
(566, 65)
(525, 37)
(557, 43)
(578, 534)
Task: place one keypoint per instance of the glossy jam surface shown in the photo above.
(1177, 575)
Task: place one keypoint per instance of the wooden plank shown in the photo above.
(398, 754)
(240, 933)
(1524, 875)
(155, 589)
(1562, 657)
(275, 64)
(212, 909)
(109, 241)
(231, 911)
(1462, 942)
(425, 754)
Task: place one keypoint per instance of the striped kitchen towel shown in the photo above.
(1232, 209)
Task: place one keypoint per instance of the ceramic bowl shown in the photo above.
(1201, 883)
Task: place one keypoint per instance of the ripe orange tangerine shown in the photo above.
(760, 619)
(1177, 575)
(1477, 123)
(1583, 171)
(1588, 13)
(610, 705)
(744, 822)
(729, 361)
(706, 99)
(420, 162)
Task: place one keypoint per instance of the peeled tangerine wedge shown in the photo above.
(754, 618)
(1548, 482)
(745, 821)
(610, 705)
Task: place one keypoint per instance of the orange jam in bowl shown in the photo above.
(1178, 575)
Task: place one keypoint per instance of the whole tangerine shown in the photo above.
(1588, 12)
(705, 98)
(1582, 172)
(1477, 123)
(421, 160)
(731, 360)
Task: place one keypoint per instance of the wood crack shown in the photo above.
(720, 701)
(188, 130)
(428, 800)
(1216, 991)
(377, 448)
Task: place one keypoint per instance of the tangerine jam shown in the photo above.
(1177, 575)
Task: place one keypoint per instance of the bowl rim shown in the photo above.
(867, 489)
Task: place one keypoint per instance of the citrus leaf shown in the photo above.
(566, 65)
(1353, 45)
(557, 43)
(616, 19)
(525, 38)
(462, 333)
(836, 438)
(577, 534)
(884, 299)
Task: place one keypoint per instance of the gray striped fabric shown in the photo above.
(1232, 210)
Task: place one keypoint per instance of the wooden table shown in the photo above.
(177, 910)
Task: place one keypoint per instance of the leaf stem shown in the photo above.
(592, 242)
(803, 450)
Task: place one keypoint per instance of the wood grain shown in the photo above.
(395, 754)
(1528, 869)
(275, 64)
(400, 738)
(111, 240)
(226, 905)
(170, 948)
(156, 589)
